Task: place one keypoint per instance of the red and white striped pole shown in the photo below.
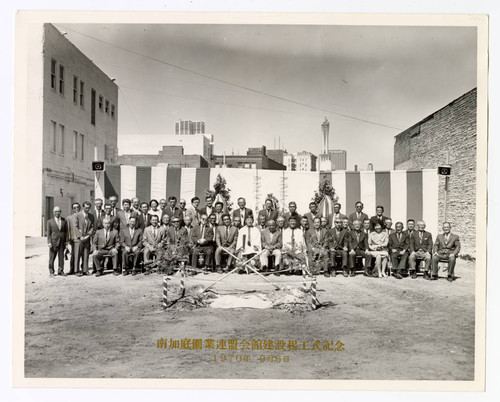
(315, 303)
(165, 300)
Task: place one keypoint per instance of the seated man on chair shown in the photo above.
(294, 247)
(317, 240)
(399, 243)
(105, 243)
(271, 242)
(226, 236)
(339, 243)
(446, 248)
(152, 239)
(249, 241)
(203, 237)
(420, 248)
(131, 245)
(358, 246)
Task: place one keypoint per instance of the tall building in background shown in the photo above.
(73, 116)
(338, 158)
(303, 161)
(325, 163)
(188, 127)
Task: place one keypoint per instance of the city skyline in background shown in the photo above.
(257, 85)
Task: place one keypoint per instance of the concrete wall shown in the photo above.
(425, 145)
(176, 160)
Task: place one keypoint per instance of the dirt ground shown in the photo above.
(110, 326)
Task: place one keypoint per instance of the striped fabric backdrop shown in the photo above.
(404, 194)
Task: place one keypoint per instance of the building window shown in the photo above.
(106, 108)
(75, 89)
(53, 74)
(92, 106)
(75, 144)
(53, 136)
(100, 102)
(82, 89)
(61, 139)
(112, 110)
(61, 79)
(82, 143)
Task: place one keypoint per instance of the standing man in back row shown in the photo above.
(357, 215)
(57, 232)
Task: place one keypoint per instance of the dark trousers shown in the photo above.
(99, 256)
(126, 258)
(76, 256)
(450, 258)
(59, 252)
(361, 253)
(339, 252)
(399, 261)
(207, 250)
(82, 256)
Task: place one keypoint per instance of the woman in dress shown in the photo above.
(377, 242)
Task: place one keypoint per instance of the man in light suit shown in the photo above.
(378, 218)
(106, 241)
(292, 211)
(218, 213)
(131, 246)
(357, 215)
(57, 236)
(86, 224)
(268, 212)
(271, 243)
(226, 236)
(203, 236)
(192, 211)
(152, 239)
(242, 212)
(294, 247)
(420, 248)
(125, 214)
(339, 246)
(446, 248)
(399, 244)
(249, 240)
(113, 200)
(336, 214)
(317, 240)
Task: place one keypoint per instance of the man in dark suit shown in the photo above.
(143, 218)
(336, 214)
(175, 234)
(268, 212)
(313, 213)
(226, 236)
(317, 240)
(446, 248)
(97, 211)
(358, 246)
(242, 211)
(86, 225)
(113, 200)
(74, 235)
(410, 227)
(57, 236)
(378, 218)
(399, 244)
(292, 211)
(358, 214)
(171, 209)
(153, 239)
(366, 226)
(203, 236)
(208, 208)
(218, 212)
(420, 248)
(131, 245)
(339, 246)
(106, 243)
(107, 214)
(271, 244)
(125, 214)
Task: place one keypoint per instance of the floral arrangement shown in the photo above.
(221, 191)
(324, 189)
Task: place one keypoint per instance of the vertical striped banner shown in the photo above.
(414, 201)
(383, 191)
(339, 184)
(143, 182)
(352, 191)
(158, 183)
(398, 196)
(368, 192)
(430, 190)
(112, 181)
(173, 184)
(129, 179)
(188, 183)
(202, 183)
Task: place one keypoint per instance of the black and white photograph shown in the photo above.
(257, 198)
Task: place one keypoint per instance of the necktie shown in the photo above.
(58, 221)
(399, 237)
(131, 233)
(357, 236)
(242, 214)
(447, 237)
(154, 233)
(420, 234)
(107, 235)
(249, 237)
(227, 233)
(202, 232)
(293, 238)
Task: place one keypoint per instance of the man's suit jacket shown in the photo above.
(142, 223)
(287, 216)
(168, 211)
(113, 222)
(86, 229)
(452, 246)
(208, 234)
(226, 241)
(206, 212)
(194, 214)
(272, 214)
(354, 216)
(340, 240)
(354, 244)
(177, 238)
(313, 240)
(310, 218)
(189, 231)
(332, 217)
(56, 236)
(100, 242)
(394, 243)
(375, 219)
(128, 241)
(97, 216)
(148, 238)
(424, 244)
(74, 232)
(237, 212)
(123, 219)
(272, 240)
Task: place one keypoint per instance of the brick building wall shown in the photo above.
(451, 130)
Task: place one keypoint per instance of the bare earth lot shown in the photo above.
(109, 326)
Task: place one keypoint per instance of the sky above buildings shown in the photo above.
(257, 85)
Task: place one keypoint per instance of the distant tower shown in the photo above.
(326, 136)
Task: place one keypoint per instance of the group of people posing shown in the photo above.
(131, 237)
